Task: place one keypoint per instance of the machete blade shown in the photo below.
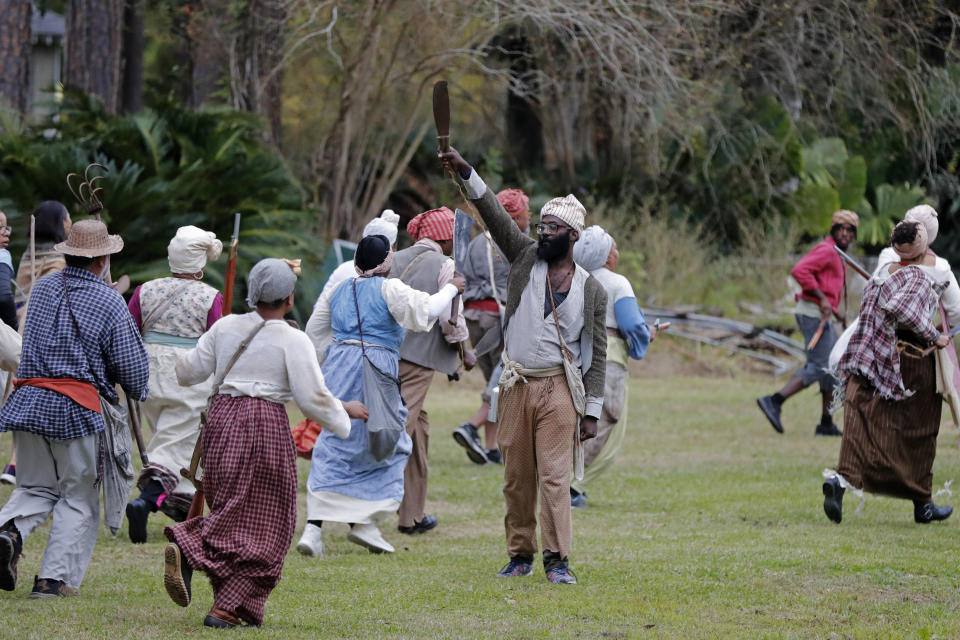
(441, 114)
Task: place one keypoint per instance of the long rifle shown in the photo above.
(231, 266)
(196, 505)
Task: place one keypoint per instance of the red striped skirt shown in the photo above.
(888, 446)
(250, 482)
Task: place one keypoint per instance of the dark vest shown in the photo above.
(428, 349)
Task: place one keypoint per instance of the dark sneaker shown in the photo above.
(494, 457)
(9, 555)
(833, 499)
(516, 569)
(467, 437)
(9, 475)
(828, 429)
(929, 512)
(137, 513)
(578, 499)
(561, 575)
(50, 588)
(428, 522)
(177, 574)
(220, 619)
(771, 410)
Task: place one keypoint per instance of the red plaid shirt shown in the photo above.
(906, 300)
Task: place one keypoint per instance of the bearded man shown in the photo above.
(821, 276)
(551, 390)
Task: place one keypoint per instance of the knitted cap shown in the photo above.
(567, 209)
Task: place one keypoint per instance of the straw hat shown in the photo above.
(89, 238)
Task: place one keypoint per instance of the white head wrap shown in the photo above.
(567, 209)
(593, 248)
(270, 280)
(927, 216)
(916, 248)
(385, 225)
(190, 249)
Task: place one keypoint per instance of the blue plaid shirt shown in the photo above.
(107, 352)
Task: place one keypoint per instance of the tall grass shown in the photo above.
(681, 261)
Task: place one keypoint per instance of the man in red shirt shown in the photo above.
(820, 275)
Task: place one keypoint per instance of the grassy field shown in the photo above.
(710, 526)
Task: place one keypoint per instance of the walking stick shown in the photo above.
(196, 505)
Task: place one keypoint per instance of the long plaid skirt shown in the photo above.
(888, 446)
(250, 482)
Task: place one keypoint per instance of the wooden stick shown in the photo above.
(816, 337)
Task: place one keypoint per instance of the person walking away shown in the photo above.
(553, 380)
(427, 267)
(172, 313)
(821, 275)
(366, 315)
(892, 409)
(486, 271)
(628, 336)
(248, 456)
(79, 342)
(318, 327)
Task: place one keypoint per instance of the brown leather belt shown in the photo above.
(614, 333)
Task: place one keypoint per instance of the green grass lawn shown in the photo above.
(710, 526)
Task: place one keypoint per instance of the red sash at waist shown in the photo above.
(487, 304)
(80, 391)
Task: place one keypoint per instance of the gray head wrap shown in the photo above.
(270, 280)
(593, 248)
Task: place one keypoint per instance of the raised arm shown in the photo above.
(504, 230)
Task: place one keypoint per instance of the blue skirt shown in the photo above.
(346, 466)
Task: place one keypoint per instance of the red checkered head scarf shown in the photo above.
(514, 201)
(436, 224)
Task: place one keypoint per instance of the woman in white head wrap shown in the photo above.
(318, 325)
(938, 269)
(627, 336)
(172, 313)
(892, 408)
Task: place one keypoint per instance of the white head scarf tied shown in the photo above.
(385, 225)
(190, 249)
(593, 248)
(927, 216)
(910, 251)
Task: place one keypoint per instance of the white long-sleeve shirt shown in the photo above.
(413, 310)
(278, 365)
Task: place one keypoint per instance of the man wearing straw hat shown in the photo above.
(821, 276)
(79, 342)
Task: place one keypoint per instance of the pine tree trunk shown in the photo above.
(15, 52)
(94, 44)
(131, 93)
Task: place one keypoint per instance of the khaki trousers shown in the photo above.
(59, 478)
(536, 439)
(414, 384)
